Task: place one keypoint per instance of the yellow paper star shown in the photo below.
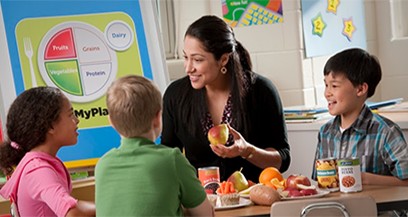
(332, 6)
(349, 28)
(318, 25)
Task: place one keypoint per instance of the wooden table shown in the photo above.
(386, 197)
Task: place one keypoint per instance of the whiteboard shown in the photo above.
(80, 47)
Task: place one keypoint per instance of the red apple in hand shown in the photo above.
(218, 134)
(294, 180)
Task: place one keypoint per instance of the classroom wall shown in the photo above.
(277, 51)
(393, 51)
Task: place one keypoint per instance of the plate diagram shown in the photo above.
(75, 57)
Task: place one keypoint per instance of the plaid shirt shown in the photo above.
(376, 140)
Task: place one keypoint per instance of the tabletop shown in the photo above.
(386, 197)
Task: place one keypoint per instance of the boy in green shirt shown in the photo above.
(140, 178)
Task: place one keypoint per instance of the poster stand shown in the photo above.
(81, 50)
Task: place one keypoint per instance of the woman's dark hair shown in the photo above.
(29, 118)
(218, 38)
(358, 66)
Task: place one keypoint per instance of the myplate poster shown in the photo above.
(80, 47)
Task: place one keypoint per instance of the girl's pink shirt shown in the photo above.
(40, 186)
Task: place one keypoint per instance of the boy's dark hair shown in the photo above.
(358, 66)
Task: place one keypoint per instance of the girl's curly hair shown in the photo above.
(29, 118)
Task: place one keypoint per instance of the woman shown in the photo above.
(39, 122)
(220, 87)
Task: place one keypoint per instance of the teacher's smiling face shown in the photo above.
(201, 66)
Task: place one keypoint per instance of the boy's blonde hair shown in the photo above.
(133, 102)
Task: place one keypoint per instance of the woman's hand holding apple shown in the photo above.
(225, 151)
(235, 150)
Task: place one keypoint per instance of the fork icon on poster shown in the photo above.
(28, 50)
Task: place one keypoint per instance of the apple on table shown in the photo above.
(298, 185)
(294, 180)
(238, 180)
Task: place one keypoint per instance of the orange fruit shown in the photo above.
(268, 174)
(269, 184)
(278, 184)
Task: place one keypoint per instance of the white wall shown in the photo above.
(392, 52)
(277, 51)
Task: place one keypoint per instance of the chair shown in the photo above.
(341, 206)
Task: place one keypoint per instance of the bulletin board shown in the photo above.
(333, 25)
(241, 13)
(80, 47)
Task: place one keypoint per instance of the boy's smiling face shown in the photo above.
(342, 96)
